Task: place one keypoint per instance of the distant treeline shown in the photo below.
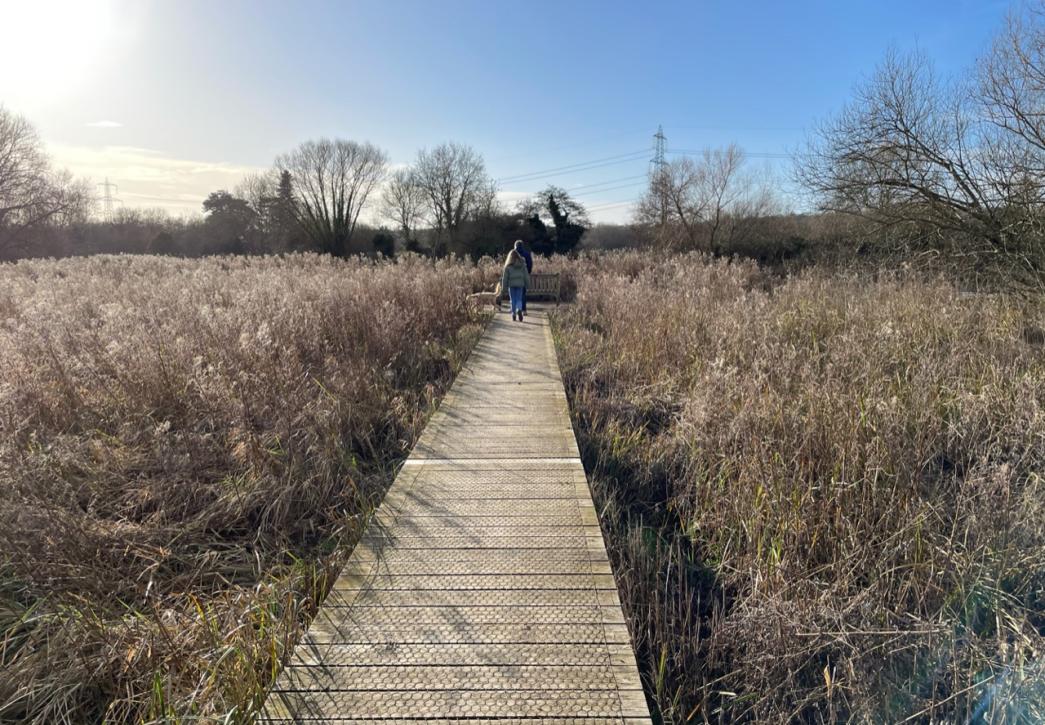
(782, 240)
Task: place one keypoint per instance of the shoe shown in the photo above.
(513, 315)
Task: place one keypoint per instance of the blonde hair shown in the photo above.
(513, 258)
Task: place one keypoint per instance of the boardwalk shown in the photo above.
(481, 590)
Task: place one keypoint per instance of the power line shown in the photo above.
(611, 204)
(611, 188)
(535, 177)
(749, 154)
(738, 128)
(657, 165)
(572, 168)
(657, 162)
(608, 181)
(570, 146)
(592, 188)
(611, 207)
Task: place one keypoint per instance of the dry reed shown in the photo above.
(183, 445)
(824, 494)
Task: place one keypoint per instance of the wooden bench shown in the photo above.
(543, 285)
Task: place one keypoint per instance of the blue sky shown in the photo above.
(171, 99)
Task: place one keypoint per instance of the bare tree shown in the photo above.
(332, 181)
(702, 203)
(32, 193)
(257, 188)
(905, 150)
(668, 205)
(1012, 79)
(751, 209)
(721, 191)
(1011, 86)
(947, 165)
(456, 186)
(403, 201)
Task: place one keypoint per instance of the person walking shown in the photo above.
(528, 258)
(515, 278)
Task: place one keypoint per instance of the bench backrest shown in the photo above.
(544, 285)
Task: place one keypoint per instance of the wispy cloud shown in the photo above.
(104, 124)
(149, 178)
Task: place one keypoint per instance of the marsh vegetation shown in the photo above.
(823, 493)
(184, 444)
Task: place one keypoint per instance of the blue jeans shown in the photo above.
(516, 296)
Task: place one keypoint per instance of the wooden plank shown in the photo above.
(325, 630)
(472, 582)
(374, 654)
(449, 677)
(457, 704)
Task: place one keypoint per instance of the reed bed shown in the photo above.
(824, 494)
(184, 444)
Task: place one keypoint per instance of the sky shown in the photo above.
(173, 99)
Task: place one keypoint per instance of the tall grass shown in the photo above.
(183, 445)
(824, 494)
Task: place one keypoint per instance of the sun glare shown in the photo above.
(50, 48)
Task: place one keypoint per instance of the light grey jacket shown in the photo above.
(515, 275)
